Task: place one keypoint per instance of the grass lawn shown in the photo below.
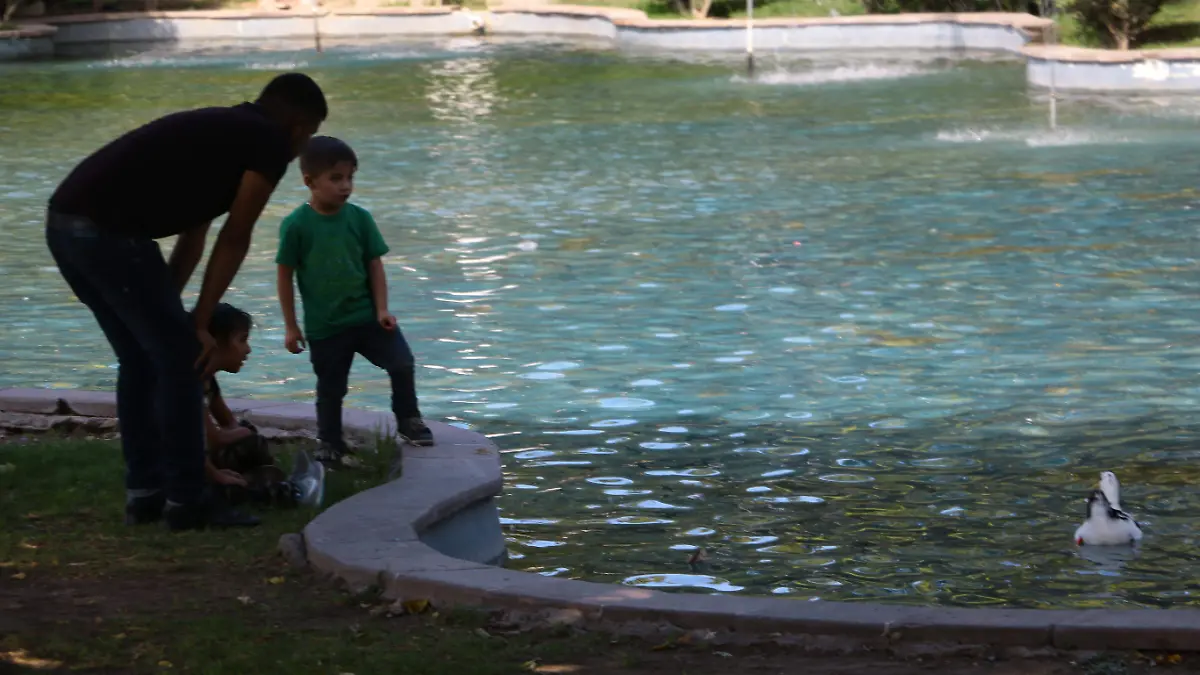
(81, 592)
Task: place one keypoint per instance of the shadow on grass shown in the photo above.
(1174, 34)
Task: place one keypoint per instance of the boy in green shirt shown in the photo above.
(334, 250)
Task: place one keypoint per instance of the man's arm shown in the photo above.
(228, 253)
(189, 249)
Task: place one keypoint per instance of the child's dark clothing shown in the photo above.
(266, 483)
(331, 255)
(331, 359)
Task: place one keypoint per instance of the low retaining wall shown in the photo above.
(227, 25)
(974, 31)
(1063, 67)
(1077, 69)
(978, 31)
(375, 538)
(31, 41)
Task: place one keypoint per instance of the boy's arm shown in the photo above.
(284, 286)
(221, 412)
(228, 253)
(189, 249)
(375, 248)
(379, 291)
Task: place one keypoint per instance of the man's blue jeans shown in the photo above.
(130, 290)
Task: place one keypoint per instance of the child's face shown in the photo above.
(231, 354)
(332, 188)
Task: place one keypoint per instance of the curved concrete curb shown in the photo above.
(374, 537)
(1075, 68)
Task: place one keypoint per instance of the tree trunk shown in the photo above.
(9, 10)
(701, 12)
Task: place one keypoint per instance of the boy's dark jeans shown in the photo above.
(130, 290)
(331, 358)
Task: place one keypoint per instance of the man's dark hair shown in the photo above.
(294, 97)
(322, 153)
(227, 320)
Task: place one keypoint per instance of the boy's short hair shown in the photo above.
(294, 97)
(227, 320)
(322, 153)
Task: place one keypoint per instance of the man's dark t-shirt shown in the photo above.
(176, 172)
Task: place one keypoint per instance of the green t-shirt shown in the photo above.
(330, 256)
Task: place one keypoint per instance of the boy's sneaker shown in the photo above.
(145, 510)
(414, 431)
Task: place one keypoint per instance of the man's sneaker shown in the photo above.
(145, 510)
(414, 431)
(335, 456)
(208, 512)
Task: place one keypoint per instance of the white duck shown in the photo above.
(1107, 524)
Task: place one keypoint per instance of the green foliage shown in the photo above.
(1116, 23)
(907, 6)
(699, 8)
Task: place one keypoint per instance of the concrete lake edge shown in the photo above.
(1066, 68)
(380, 537)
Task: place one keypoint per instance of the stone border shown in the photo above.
(30, 40)
(373, 538)
(1079, 69)
(1068, 68)
(980, 31)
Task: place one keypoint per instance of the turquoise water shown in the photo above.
(860, 329)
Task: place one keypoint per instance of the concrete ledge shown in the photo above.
(994, 31)
(376, 538)
(257, 25)
(983, 31)
(31, 40)
(1075, 68)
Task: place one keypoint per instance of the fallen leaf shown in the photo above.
(530, 665)
(245, 599)
(482, 633)
(19, 576)
(662, 647)
(275, 580)
(166, 664)
(725, 655)
(119, 636)
(32, 547)
(415, 606)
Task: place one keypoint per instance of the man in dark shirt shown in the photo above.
(173, 176)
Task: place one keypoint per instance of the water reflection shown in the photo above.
(912, 527)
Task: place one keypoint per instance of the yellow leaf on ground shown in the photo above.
(19, 576)
(416, 606)
(275, 580)
(166, 664)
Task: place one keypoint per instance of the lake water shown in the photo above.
(858, 328)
